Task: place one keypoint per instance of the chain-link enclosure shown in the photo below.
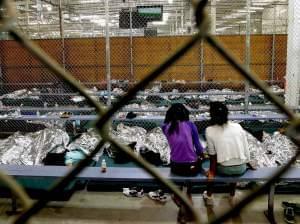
(110, 46)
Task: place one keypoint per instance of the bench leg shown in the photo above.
(14, 207)
(270, 212)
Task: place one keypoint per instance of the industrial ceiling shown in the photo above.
(42, 19)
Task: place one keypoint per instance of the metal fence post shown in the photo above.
(273, 46)
(107, 53)
(248, 53)
(62, 35)
(131, 48)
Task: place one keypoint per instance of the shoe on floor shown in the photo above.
(208, 200)
(158, 195)
(133, 192)
(295, 206)
(289, 215)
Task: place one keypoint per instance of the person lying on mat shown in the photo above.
(227, 147)
(186, 149)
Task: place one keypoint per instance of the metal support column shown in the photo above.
(191, 17)
(176, 22)
(213, 16)
(273, 46)
(273, 56)
(247, 52)
(293, 55)
(27, 17)
(107, 53)
(202, 61)
(39, 15)
(62, 33)
(182, 17)
(131, 48)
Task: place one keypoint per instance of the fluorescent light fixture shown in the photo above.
(170, 1)
(257, 8)
(49, 8)
(222, 28)
(233, 15)
(90, 1)
(159, 23)
(245, 10)
(166, 16)
(283, 10)
(100, 22)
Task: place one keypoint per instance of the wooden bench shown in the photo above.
(138, 175)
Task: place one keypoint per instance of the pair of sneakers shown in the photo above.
(158, 196)
(208, 200)
(133, 192)
(289, 211)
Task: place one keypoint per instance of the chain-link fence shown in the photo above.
(110, 46)
(134, 43)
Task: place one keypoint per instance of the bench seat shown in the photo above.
(138, 175)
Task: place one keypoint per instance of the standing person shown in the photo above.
(186, 150)
(227, 147)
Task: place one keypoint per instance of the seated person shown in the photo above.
(227, 147)
(186, 150)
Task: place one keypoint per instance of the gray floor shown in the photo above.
(90, 208)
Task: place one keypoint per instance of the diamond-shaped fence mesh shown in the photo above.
(112, 46)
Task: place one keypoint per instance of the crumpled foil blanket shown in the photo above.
(157, 142)
(31, 149)
(21, 94)
(87, 142)
(154, 140)
(275, 150)
(126, 135)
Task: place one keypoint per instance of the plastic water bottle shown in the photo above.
(103, 166)
(18, 111)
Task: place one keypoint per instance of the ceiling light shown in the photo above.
(100, 22)
(49, 8)
(257, 8)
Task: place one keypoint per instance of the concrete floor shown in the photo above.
(114, 208)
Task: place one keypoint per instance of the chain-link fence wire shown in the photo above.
(131, 55)
(21, 71)
(54, 67)
(149, 53)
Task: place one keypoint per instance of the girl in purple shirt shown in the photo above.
(183, 138)
(186, 150)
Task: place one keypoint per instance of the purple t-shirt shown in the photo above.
(184, 142)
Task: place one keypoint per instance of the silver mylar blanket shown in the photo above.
(275, 150)
(31, 149)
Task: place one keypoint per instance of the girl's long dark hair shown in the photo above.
(177, 112)
(218, 113)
